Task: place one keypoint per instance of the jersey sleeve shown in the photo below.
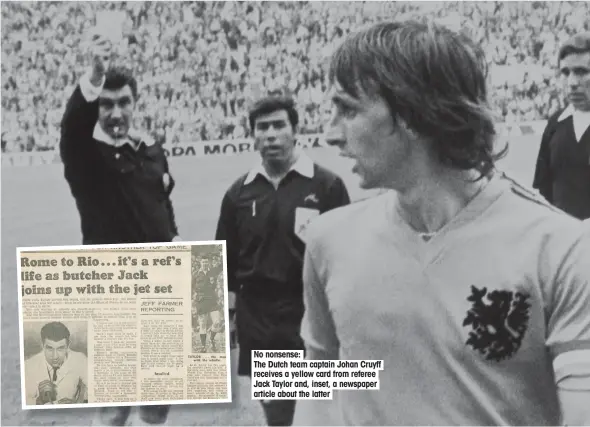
(568, 311)
(227, 230)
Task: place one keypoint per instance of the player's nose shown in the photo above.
(334, 138)
(333, 134)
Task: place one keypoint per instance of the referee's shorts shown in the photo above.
(266, 322)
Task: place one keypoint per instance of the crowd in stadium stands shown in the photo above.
(200, 64)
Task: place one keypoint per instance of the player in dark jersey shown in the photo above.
(208, 308)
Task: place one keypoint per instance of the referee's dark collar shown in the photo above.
(303, 166)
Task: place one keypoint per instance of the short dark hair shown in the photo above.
(433, 79)
(118, 78)
(580, 43)
(55, 331)
(273, 103)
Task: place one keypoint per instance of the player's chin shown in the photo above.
(366, 183)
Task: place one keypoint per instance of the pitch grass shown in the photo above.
(38, 210)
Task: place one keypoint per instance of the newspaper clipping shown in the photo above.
(116, 325)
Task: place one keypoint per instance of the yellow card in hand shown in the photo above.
(109, 24)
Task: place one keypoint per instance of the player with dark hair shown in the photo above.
(562, 173)
(118, 176)
(263, 218)
(55, 331)
(57, 374)
(472, 289)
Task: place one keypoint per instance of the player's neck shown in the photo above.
(436, 197)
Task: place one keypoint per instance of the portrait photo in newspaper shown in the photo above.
(56, 362)
(125, 334)
(207, 299)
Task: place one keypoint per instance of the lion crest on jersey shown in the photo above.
(498, 320)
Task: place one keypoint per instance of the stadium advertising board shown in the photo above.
(235, 146)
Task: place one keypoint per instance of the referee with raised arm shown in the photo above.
(263, 218)
(118, 177)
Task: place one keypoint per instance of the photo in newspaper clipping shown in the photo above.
(207, 299)
(115, 325)
(56, 362)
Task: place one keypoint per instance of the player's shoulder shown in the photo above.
(330, 225)
(530, 199)
(531, 211)
(325, 175)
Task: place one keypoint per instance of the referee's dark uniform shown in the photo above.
(562, 172)
(265, 252)
(122, 192)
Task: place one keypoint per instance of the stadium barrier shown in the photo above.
(234, 146)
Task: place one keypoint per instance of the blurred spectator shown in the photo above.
(201, 63)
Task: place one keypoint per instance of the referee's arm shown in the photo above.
(79, 118)
(170, 208)
(543, 179)
(81, 113)
(227, 230)
(77, 126)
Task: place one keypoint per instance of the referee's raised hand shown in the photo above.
(100, 55)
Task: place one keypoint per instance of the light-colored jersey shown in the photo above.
(468, 323)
